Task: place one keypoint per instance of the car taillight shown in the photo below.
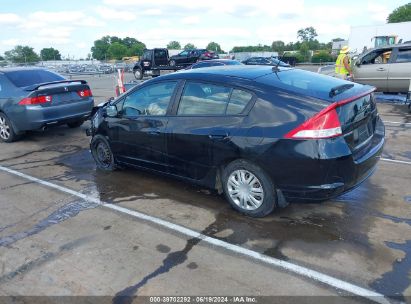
(323, 125)
(326, 123)
(84, 93)
(35, 100)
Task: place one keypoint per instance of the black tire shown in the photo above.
(138, 73)
(75, 124)
(172, 63)
(7, 133)
(102, 154)
(263, 182)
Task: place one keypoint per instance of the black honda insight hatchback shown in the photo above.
(264, 136)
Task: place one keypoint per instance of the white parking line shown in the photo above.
(396, 161)
(294, 268)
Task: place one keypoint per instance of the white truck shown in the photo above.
(372, 36)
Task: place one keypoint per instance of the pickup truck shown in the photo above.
(152, 62)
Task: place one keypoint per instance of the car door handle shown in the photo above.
(381, 69)
(218, 136)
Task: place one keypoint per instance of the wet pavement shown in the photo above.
(54, 244)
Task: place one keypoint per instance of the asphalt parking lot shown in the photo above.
(68, 229)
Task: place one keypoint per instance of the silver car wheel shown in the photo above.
(245, 189)
(4, 128)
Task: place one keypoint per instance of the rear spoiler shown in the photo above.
(38, 85)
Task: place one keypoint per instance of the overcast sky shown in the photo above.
(72, 26)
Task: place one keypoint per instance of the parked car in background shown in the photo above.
(34, 98)
(262, 136)
(265, 61)
(188, 57)
(388, 68)
(213, 62)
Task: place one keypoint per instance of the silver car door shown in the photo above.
(373, 70)
(399, 76)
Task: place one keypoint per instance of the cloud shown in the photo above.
(10, 42)
(377, 12)
(152, 12)
(115, 14)
(10, 19)
(190, 20)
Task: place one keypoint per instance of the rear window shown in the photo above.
(25, 78)
(210, 99)
(303, 82)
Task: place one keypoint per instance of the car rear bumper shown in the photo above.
(26, 118)
(328, 170)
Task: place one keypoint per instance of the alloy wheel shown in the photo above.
(4, 128)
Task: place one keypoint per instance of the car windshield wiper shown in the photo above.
(339, 89)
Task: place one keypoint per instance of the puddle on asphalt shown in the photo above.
(342, 223)
(61, 214)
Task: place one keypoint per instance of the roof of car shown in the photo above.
(239, 71)
(15, 69)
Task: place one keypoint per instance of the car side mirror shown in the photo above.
(111, 111)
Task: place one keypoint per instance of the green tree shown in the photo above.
(136, 49)
(128, 41)
(50, 54)
(174, 45)
(117, 51)
(322, 56)
(400, 14)
(112, 47)
(22, 54)
(278, 46)
(307, 34)
(100, 48)
(1, 58)
(252, 48)
(305, 51)
(337, 39)
(214, 46)
(189, 46)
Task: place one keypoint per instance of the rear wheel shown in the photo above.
(75, 124)
(7, 133)
(102, 154)
(249, 189)
(172, 63)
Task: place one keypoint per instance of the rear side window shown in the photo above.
(25, 78)
(238, 100)
(404, 55)
(210, 99)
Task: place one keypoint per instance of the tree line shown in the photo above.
(112, 47)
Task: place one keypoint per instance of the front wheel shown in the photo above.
(102, 154)
(249, 189)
